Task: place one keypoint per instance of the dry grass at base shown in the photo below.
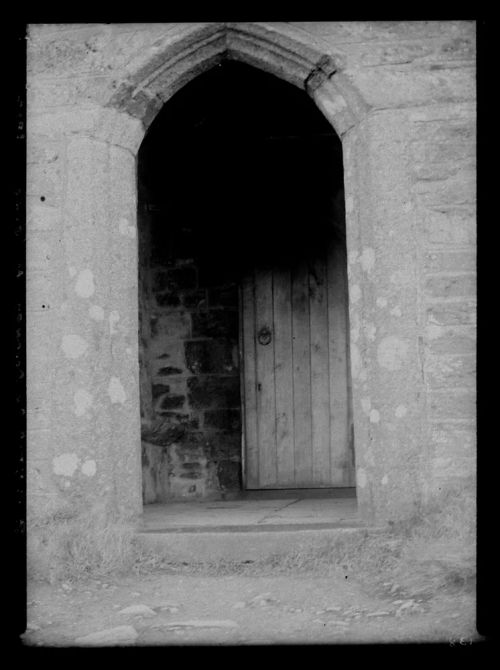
(434, 549)
(346, 555)
(438, 545)
(72, 547)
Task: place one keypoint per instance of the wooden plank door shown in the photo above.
(295, 376)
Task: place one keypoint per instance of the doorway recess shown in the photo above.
(244, 361)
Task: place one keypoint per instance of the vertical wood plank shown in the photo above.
(337, 324)
(242, 384)
(320, 386)
(301, 376)
(249, 383)
(266, 406)
(350, 477)
(283, 372)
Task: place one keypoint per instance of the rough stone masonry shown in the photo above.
(401, 96)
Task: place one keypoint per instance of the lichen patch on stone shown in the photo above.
(113, 318)
(84, 286)
(361, 478)
(96, 312)
(367, 259)
(366, 404)
(355, 293)
(355, 327)
(83, 401)
(89, 468)
(434, 331)
(73, 346)
(371, 331)
(126, 228)
(369, 456)
(65, 464)
(355, 361)
(392, 353)
(333, 107)
(116, 391)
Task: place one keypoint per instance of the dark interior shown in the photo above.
(240, 161)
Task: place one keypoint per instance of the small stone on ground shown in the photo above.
(138, 610)
(109, 637)
(202, 623)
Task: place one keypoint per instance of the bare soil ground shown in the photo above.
(245, 609)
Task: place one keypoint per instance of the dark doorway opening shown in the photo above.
(240, 182)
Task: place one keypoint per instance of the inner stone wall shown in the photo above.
(190, 400)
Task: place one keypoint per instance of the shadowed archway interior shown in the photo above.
(240, 182)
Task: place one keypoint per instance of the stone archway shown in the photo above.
(153, 85)
(100, 239)
(307, 70)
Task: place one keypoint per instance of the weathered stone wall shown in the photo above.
(191, 421)
(402, 97)
(442, 156)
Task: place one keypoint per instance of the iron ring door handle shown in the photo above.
(264, 336)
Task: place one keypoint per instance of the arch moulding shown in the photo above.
(149, 86)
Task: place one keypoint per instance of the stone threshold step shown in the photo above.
(239, 546)
(298, 494)
(253, 528)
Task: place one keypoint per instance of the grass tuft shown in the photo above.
(434, 549)
(70, 547)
